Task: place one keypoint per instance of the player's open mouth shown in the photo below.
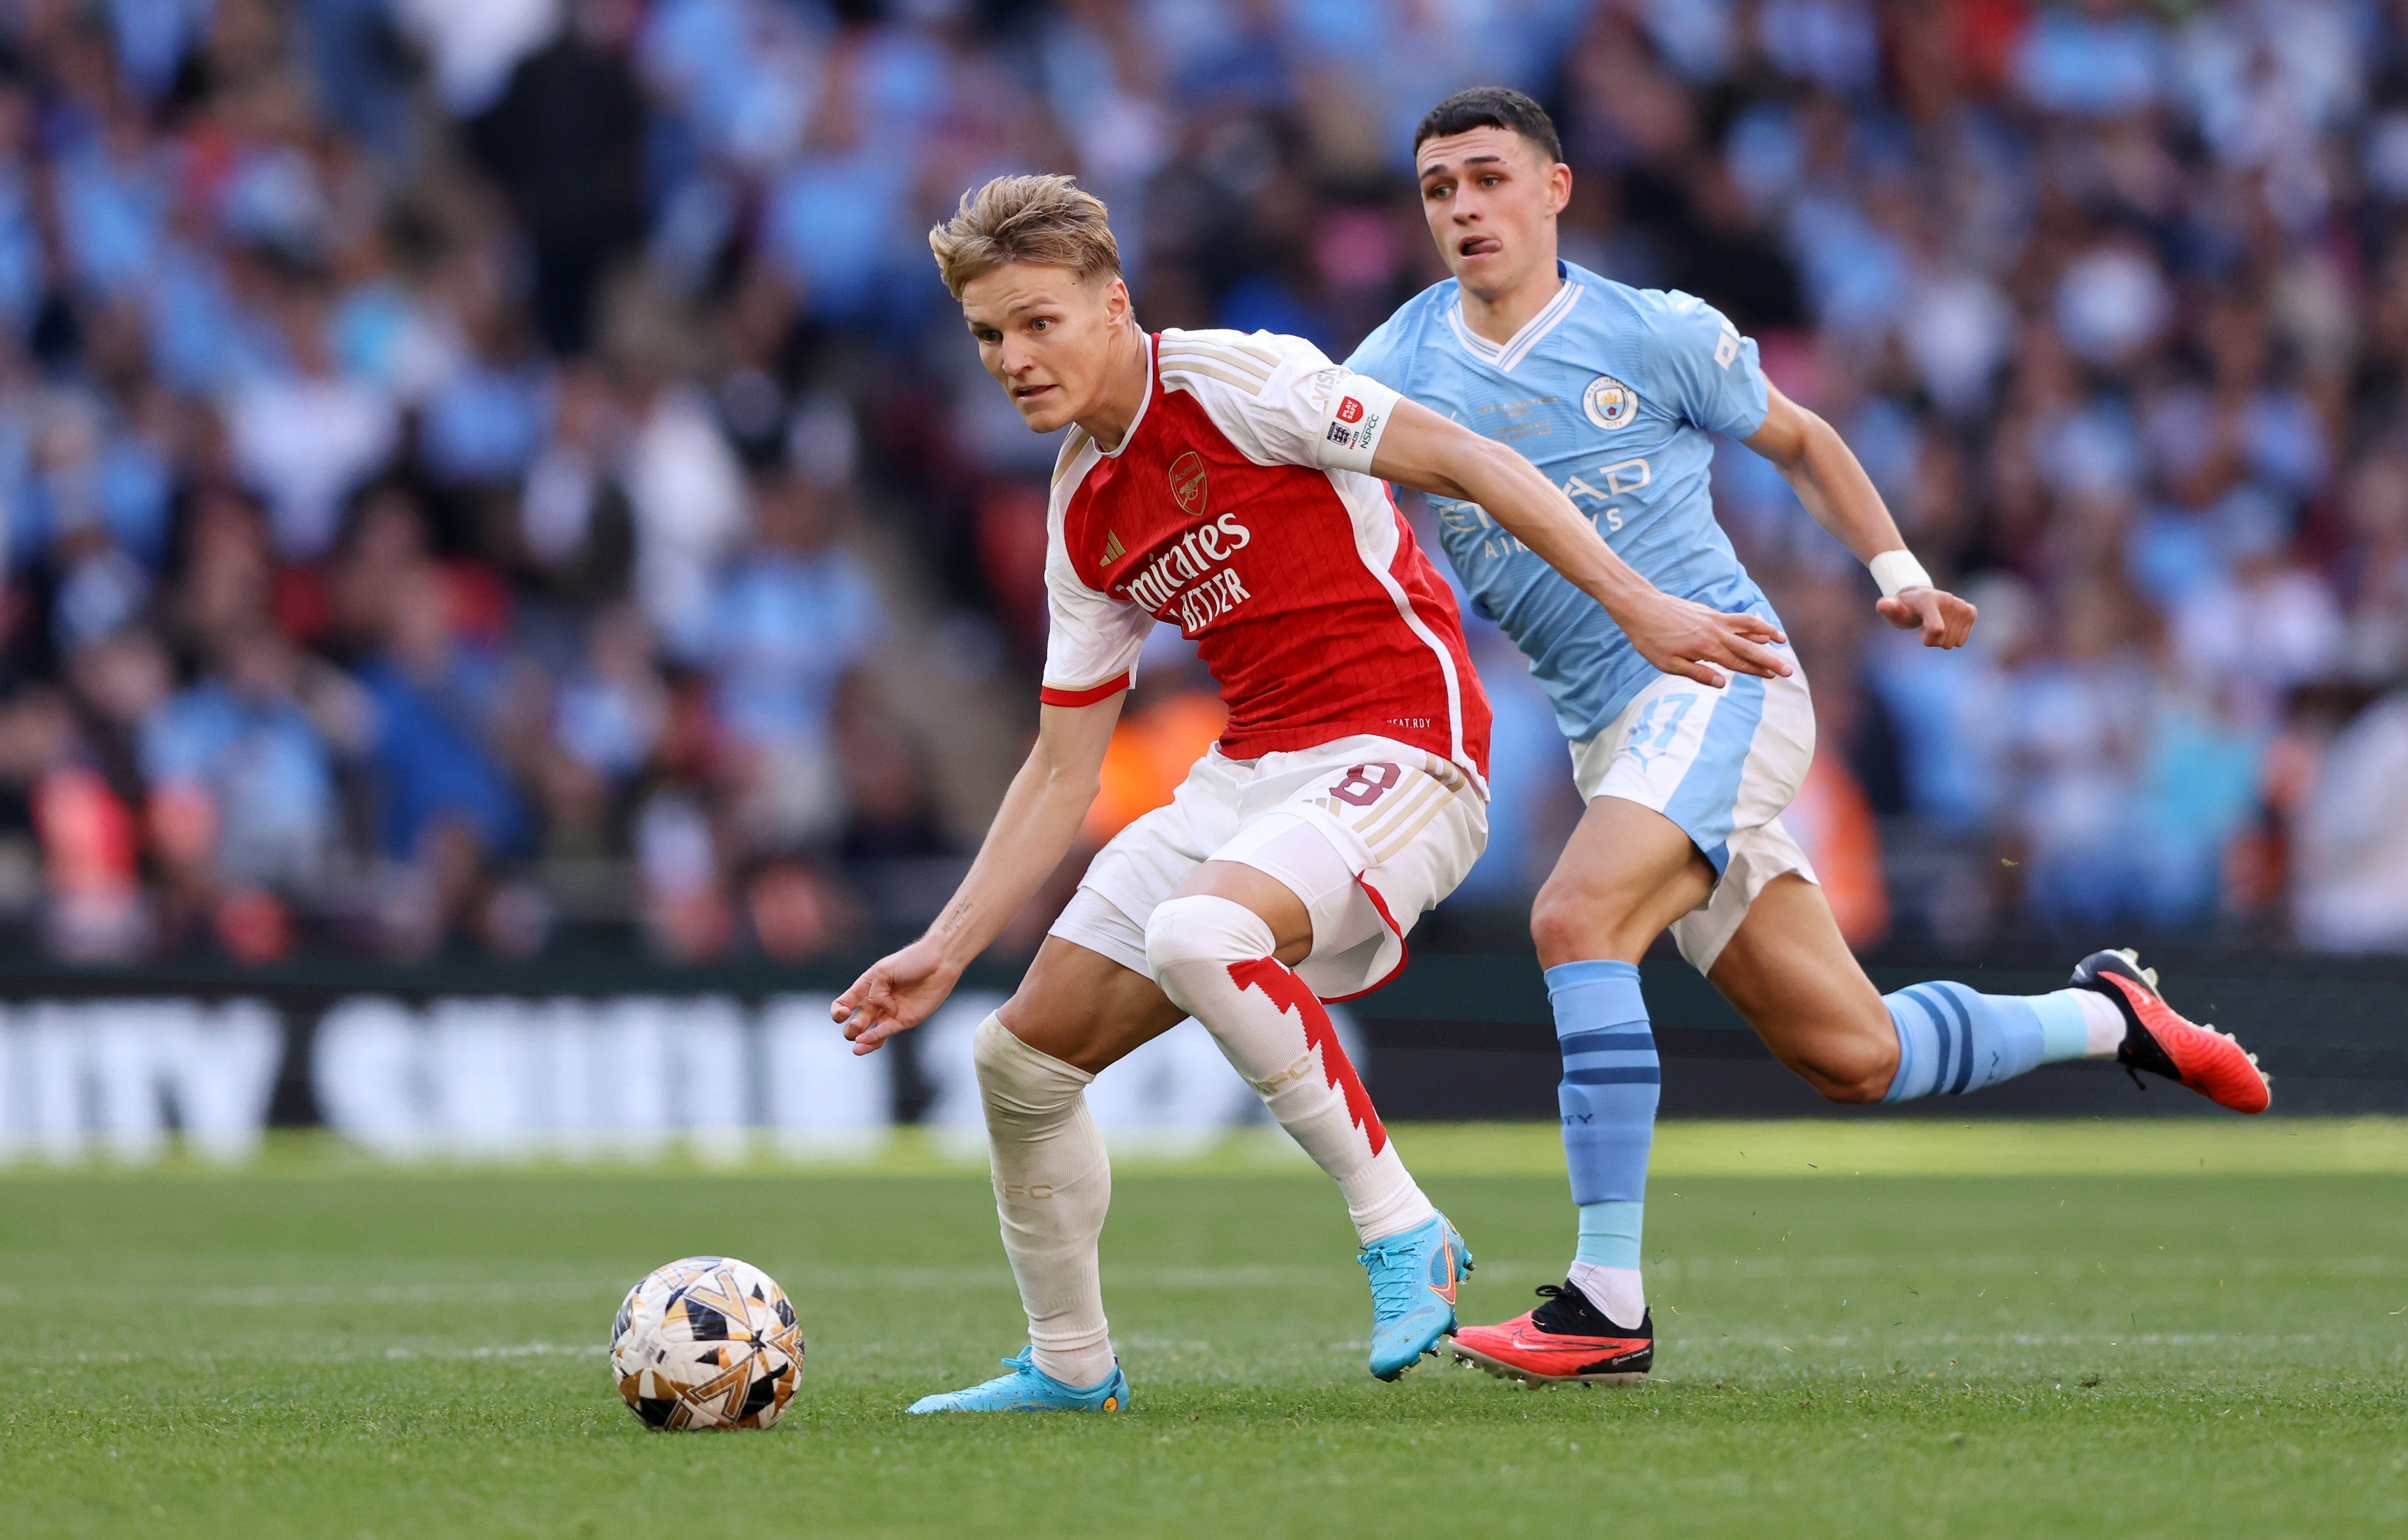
(1029, 393)
(1479, 245)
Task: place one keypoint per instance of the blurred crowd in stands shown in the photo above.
(471, 469)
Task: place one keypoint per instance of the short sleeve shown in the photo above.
(1709, 374)
(1278, 399)
(1092, 639)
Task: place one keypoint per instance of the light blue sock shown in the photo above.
(1609, 1234)
(1612, 1080)
(1953, 1039)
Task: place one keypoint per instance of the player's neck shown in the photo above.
(1128, 376)
(1499, 318)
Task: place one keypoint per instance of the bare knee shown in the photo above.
(1568, 925)
(1088, 1035)
(1048, 1022)
(1580, 916)
(1551, 925)
(1084, 1008)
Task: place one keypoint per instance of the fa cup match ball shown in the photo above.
(709, 1342)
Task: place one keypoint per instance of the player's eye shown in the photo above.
(1040, 324)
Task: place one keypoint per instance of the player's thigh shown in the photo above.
(1682, 770)
(1789, 973)
(1140, 867)
(1085, 1009)
(1627, 873)
(1278, 905)
(1345, 848)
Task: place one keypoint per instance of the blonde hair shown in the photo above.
(1049, 221)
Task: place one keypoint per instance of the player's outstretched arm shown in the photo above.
(1424, 451)
(1829, 479)
(1031, 834)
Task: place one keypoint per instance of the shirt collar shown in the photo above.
(1505, 355)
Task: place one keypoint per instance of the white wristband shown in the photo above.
(1896, 571)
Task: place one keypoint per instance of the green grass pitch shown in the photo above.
(315, 1348)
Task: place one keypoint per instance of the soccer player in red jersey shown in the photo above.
(1230, 484)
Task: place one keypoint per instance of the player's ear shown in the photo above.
(1117, 305)
(1559, 186)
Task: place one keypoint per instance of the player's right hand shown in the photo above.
(898, 992)
(1685, 637)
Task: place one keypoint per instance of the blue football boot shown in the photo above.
(1029, 1389)
(1413, 1278)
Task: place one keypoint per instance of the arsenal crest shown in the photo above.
(1187, 484)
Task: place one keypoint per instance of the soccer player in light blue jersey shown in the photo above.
(1615, 393)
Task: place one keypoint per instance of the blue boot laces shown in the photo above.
(1393, 1277)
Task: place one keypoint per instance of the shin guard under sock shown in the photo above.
(1611, 1085)
(1053, 1186)
(1953, 1039)
(1212, 956)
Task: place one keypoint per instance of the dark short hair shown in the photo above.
(1492, 106)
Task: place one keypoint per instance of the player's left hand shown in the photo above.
(1944, 619)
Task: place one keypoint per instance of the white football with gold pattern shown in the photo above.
(706, 1342)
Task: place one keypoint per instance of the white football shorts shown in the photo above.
(1721, 763)
(1368, 833)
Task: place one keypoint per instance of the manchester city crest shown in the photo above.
(1609, 403)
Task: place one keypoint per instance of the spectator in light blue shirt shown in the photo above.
(790, 620)
(2095, 59)
(240, 739)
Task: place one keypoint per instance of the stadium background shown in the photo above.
(498, 509)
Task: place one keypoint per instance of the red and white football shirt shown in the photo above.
(1240, 507)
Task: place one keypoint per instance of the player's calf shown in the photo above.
(1213, 957)
(1606, 1100)
(1853, 1068)
(1953, 1039)
(1052, 1188)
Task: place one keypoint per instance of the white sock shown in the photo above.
(1213, 958)
(2102, 1023)
(1615, 1290)
(1052, 1185)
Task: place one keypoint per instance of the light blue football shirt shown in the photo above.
(1612, 392)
